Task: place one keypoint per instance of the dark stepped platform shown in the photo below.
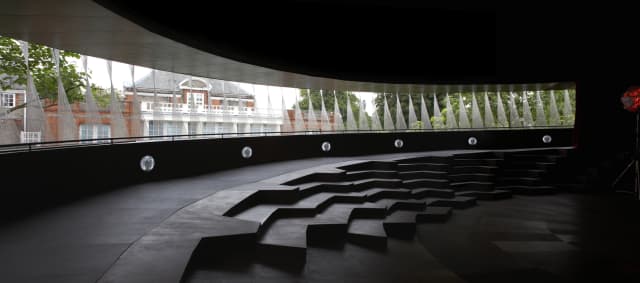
(421, 174)
(404, 167)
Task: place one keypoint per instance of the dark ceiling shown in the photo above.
(400, 41)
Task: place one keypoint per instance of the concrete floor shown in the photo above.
(79, 241)
(557, 238)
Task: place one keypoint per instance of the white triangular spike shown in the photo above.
(324, 117)
(363, 121)
(502, 114)
(488, 113)
(476, 117)
(451, 118)
(299, 123)
(554, 116)
(400, 123)
(437, 116)
(514, 117)
(413, 118)
(463, 118)
(351, 119)
(388, 122)
(424, 115)
(541, 117)
(338, 125)
(312, 121)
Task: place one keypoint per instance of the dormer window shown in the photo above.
(195, 84)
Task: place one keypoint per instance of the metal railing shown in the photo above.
(50, 145)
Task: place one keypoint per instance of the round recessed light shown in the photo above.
(398, 143)
(326, 146)
(472, 141)
(147, 163)
(246, 152)
(546, 139)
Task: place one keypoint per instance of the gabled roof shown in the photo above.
(167, 82)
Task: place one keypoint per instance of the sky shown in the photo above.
(122, 75)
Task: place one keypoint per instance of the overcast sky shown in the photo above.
(122, 75)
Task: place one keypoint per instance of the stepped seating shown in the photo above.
(362, 202)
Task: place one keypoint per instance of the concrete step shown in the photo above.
(367, 232)
(529, 190)
(473, 169)
(420, 174)
(470, 177)
(420, 193)
(404, 167)
(370, 174)
(487, 195)
(458, 202)
(434, 214)
(471, 186)
(430, 183)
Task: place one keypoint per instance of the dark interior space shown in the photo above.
(434, 209)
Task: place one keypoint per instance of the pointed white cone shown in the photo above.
(502, 114)
(338, 125)
(424, 115)
(451, 118)
(527, 117)
(567, 112)
(413, 119)
(363, 121)
(375, 121)
(299, 125)
(541, 117)
(488, 113)
(312, 121)
(324, 117)
(463, 118)
(351, 119)
(286, 120)
(554, 116)
(437, 116)
(514, 117)
(400, 123)
(476, 118)
(388, 122)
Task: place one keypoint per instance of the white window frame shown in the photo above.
(199, 98)
(4, 100)
(94, 131)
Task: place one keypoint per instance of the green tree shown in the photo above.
(13, 71)
(467, 98)
(329, 102)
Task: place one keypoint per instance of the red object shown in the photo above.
(631, 99)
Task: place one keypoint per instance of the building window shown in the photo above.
(174, 128)
(199, 99)
(209, 128)
(8, 100)
(155, 128)
(30, 137)
(94, 131)
(193, 128)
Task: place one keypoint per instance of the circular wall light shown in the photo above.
(472, 141)
(398, 143)
(246, 152)
(147, 163)
(546, 139)
(326, 146)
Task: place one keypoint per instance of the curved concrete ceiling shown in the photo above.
(84, 26)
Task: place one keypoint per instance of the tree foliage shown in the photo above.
(329, 102)
(467, 100)
(13, 71)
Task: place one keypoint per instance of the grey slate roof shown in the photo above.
(167, 82)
